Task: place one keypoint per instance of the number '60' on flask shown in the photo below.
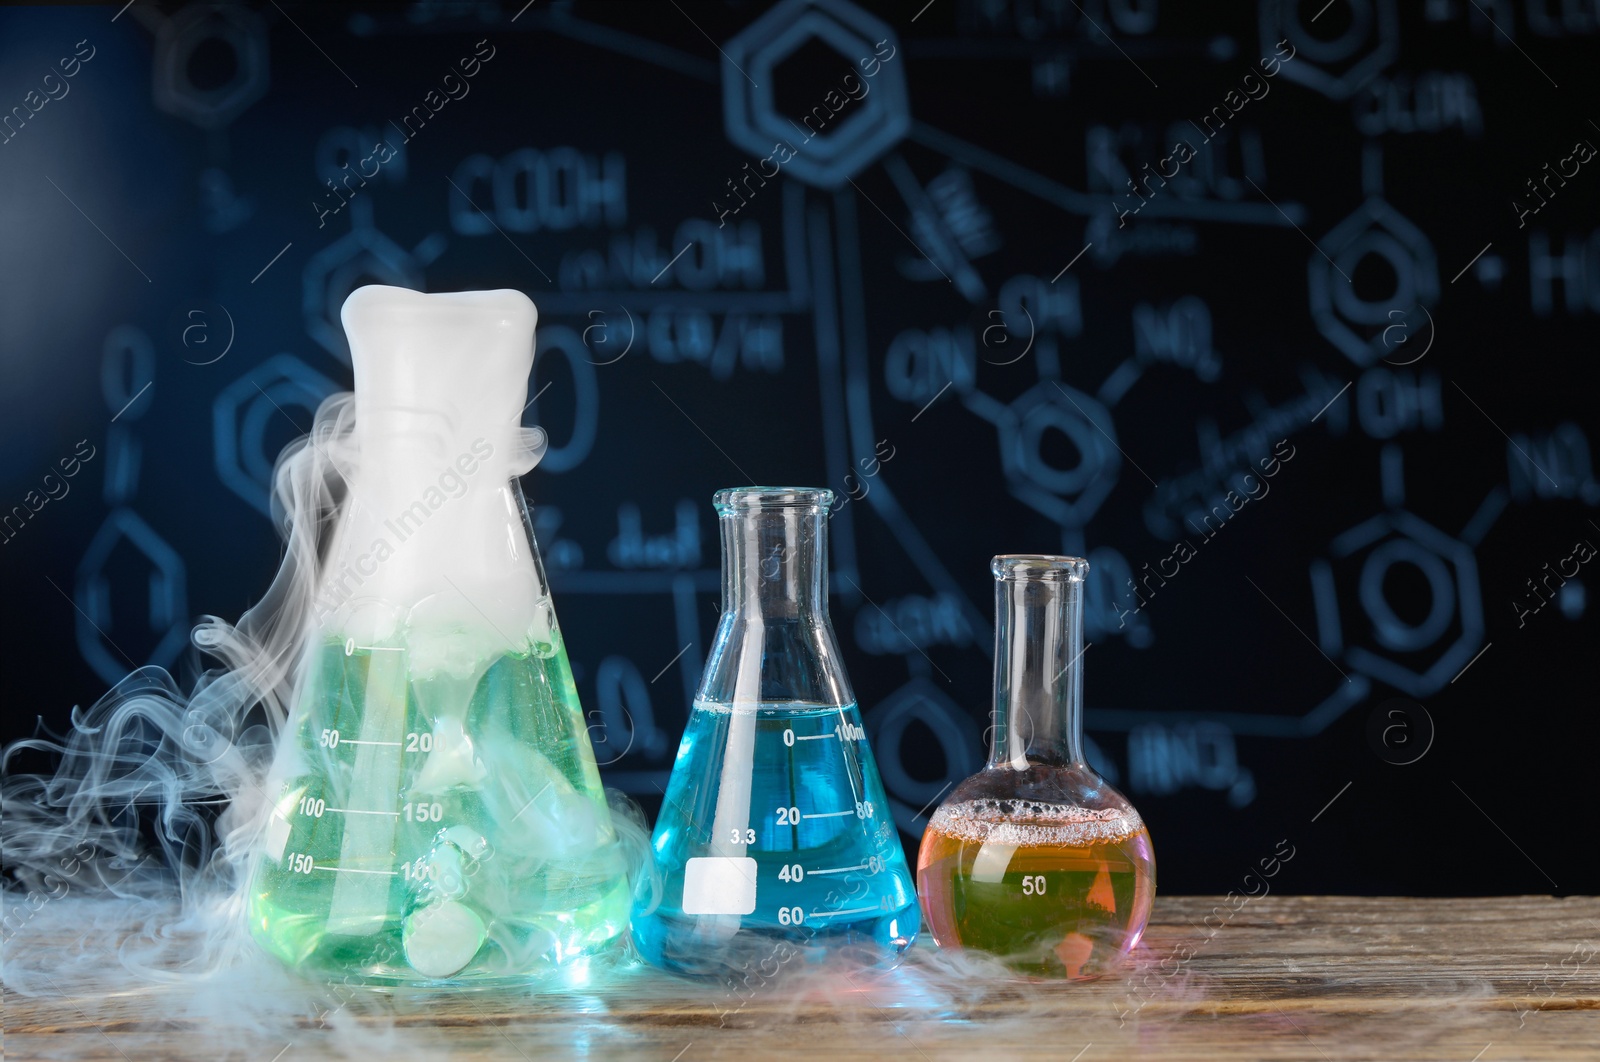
(1035, 858)
(775, 838)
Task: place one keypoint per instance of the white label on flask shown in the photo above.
(719, 885)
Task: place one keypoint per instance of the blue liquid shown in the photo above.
(775, 830)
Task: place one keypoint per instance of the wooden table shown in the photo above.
(1313, 978)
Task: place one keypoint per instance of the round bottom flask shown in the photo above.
(1035, 859)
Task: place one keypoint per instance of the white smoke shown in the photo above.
(128, 858)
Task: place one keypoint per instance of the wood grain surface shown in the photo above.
(1291, 978)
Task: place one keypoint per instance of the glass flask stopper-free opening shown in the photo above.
(437, 814)
(775, 828)
(1036, 859)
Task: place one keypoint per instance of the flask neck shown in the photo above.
(774, 644)
(774, 564)
(1038, 665)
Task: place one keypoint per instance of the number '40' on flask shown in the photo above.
(774, 837)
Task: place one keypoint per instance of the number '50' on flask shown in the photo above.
(775, 838)
(437, 816)
(1035, 858)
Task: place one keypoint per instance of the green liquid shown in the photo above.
(436, 829)
(1049, 898)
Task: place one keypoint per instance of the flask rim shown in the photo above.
(735, 500)
(1045, 566)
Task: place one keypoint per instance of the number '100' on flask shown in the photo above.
(774, 828)
(437, 814)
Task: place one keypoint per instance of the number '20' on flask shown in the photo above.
(775, 838)
(437, 816)
(1035, 859)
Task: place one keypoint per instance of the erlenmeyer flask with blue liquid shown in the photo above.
(774, 828)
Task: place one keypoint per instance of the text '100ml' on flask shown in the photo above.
(775, 833)
(437, 814)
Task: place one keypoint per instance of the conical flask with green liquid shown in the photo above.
(437, 816)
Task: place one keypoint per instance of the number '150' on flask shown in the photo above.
(437, 816)
(775, 838)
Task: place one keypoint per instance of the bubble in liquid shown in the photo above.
(1052, 890)
(1027, 822)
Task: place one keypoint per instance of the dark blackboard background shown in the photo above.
(1202, 716)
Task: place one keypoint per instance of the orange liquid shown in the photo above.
(1052, 891)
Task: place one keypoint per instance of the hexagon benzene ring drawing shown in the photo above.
(168, 605)
(1335, 66)
(1069, 496)
(1451, 570)
(750, 59)
(177, 41)
(242, 411)
(1357, 326)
